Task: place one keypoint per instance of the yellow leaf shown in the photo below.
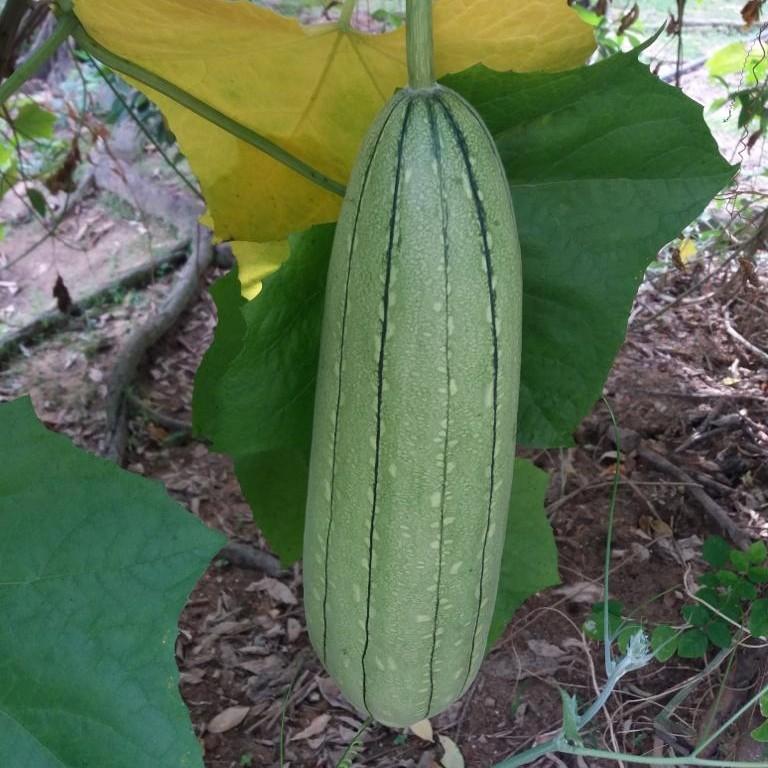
(687, 250)
(312, 91)
(257, 260)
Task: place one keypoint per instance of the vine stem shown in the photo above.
(64, 28)
(418, 43)
(607, 639)
(143, 128)
(345, 19)
(69, 25)
(206, 111)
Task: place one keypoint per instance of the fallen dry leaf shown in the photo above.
(316, 727)
(275, 589)
(580, 592)
(751, 12)
(232, 627)
(452, 757)
(654, 527)
(260, 666)
(230, 718)
(292, 629)
(543, 648)
(193, 676)
(331, 693)
(423, 729)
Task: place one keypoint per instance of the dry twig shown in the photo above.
(714, 510)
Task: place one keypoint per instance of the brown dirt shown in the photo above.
(242, 642)
(92, 248)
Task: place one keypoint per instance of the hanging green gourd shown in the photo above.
(415, 412)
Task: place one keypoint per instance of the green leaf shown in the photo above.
(95, 567)
(529, 562)
(715, 551)
(758, 574)
(764, 705)
(709, 579)
(606, 164)
(758, 618)
(594, 625)
(9, 175)
(613, 209)
(744, 590)
(625, 634)
(590, 17)
(760, 733)
(740, 560)
(34, 122)
(756, 552)
(37, 200)
(692, 644)
(7, 154)
(719, 633)
(729, 606)
(589, 223)
(570, 718)
(266, 396)
(726, 578)
(227, 343)
(274, 484)
(696, 614)
(254, 391)
(735, 58)
(664, 641)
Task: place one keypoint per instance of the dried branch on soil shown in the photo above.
(714, 510)
(182, 293)
(736, 336)
(243, 555)
(168, 422)
(50, 321)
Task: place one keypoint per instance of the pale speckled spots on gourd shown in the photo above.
(415, 412)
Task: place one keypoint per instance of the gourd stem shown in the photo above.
(39, 56)
(180, 96)
(418, 43)
(347, 9)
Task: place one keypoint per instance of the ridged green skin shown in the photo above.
(415, 412)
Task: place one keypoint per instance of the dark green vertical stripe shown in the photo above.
(482, 222)
(380, 385)
(437, 155)
(341, 359)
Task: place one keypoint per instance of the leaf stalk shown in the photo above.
(64, 28)
(418, 43)
(204, 110)
(345, 19)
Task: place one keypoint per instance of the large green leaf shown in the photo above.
(34, 122)
(529, 563)
(266, 396)
(227, 343)
(606, 164)
(95, 566)
(255, 388)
